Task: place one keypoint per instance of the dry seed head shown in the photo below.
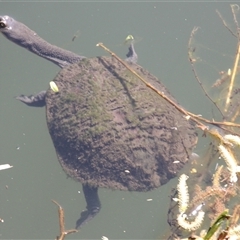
(191, 226)
(234, 232)
(216, 177)
(183, 195)
(230, 161)
(233, 139)
(228, 157)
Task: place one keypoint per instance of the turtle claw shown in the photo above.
(93, 205)
(86, 216)
(33, 101)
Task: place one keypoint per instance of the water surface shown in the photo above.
(36, 178)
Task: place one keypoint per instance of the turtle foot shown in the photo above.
(93, 205)
(132, 56)
(86, 216)
(33, 101)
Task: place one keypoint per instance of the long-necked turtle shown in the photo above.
(109, 130)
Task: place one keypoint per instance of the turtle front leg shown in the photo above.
(93, 205)
(33, 101)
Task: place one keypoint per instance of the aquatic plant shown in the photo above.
(218, 198)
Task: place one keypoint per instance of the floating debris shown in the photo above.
(76, 35)
(5, 166)
(104, 238)
(53, 86)
(191, 226)
(176, 162)
(193, 170)
(129, 38)
(197, 209)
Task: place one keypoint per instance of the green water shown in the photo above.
(163, 30)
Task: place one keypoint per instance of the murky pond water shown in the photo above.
(162, 31)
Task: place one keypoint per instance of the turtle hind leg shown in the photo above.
(93, 205)
(33, 101)
(132, 56)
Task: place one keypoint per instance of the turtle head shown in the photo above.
(7, 28)
(15, 31)
(6, 23)
(23, 36)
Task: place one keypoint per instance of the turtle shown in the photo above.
(109, 129)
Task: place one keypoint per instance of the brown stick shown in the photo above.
(232, 77)
(148, 84)
(197, 119)
(63, 233)
(225, 24)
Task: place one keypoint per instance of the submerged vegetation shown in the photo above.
(210, 208)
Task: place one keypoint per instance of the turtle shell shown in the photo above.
(110, 130)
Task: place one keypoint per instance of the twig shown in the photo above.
(235, 115)
(225, 24)
(232, 78)
(219, 124)
(63, 233)
(191, 60)
(236, 59)
(233, 6)
(197, 119)
(186, 113)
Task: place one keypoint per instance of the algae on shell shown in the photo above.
(110, 130)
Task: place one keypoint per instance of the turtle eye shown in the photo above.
(2, 24)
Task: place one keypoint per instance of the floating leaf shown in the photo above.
(53, 86)
(128, 39)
